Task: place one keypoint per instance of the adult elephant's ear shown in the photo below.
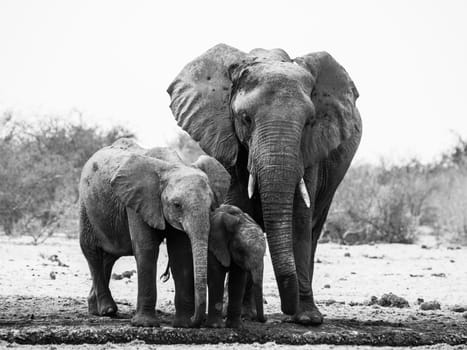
(137, 184)
(219, 178)
(200, 101)
(333, 94)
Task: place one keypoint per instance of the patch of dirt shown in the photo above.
(35, 309)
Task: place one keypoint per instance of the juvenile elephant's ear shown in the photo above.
(219, 178)
(221, 224)
(333, 95)
(200, 101)
(137, 184)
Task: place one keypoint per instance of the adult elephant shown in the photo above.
(287, 130)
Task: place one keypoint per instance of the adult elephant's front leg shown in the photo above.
(304, 248)
(145, 244)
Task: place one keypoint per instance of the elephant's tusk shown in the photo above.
(304, 192)
(251, 186)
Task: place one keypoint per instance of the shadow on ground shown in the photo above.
(32, 320)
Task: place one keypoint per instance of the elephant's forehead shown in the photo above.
(274, 72)
(266, 80)
(189, 179)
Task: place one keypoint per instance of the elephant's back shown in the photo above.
(104, 210)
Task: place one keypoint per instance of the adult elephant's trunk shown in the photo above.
(278, 169)
(198, 234)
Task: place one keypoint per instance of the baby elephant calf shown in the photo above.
(236, 245)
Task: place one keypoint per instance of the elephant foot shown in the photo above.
(215, 322)
(106, 306)
(145, 320)
(248, 311)
(309, 314)
(260, 318)
(92, 305)
(181, 322)
(235, 322)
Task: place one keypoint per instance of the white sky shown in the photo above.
(113, 60)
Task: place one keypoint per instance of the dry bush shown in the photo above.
(384, 201)
(390, 203)
(39, 173)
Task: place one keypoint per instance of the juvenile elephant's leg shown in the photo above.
(108, 263)
(181, 264)
(249, 303)
(237, 280)
(100, 301)
(145, 242)
(216, 278)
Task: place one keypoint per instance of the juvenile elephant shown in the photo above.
(130, 199)
(287, 130)
(236, 245)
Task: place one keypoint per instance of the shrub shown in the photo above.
(39, 171)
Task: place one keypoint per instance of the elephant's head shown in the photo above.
(236, 237)
(282, 115)
(179, 195)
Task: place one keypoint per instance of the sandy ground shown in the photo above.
(35, 291)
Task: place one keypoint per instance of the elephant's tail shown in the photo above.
(166, 275)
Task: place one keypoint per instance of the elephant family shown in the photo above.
(286, 130)
(237, 246)
(131, 199)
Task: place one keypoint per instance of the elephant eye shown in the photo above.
(245, 117)
(177, 205)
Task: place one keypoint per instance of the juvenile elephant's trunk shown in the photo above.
(198, 232)
(200, 259)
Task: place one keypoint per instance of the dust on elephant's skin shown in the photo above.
(130, 200)
(287, 130)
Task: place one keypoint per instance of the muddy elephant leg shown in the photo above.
(248, 302)
(100, 301)
(181, 265)
(237, 281)
(303, 239)
(108, 263)
(145, 242)
(216, 278)
(327, 180)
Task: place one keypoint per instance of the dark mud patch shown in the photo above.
(32, 320)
